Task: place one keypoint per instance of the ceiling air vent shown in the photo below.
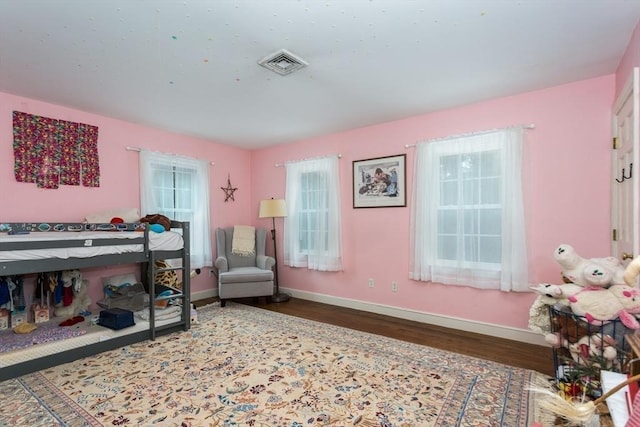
(283, 62)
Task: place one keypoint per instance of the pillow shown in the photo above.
(156, 228)
(104, 217)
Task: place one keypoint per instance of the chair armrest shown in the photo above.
(222, 264)
(265, 262)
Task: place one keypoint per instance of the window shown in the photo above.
(469, 188)
(312, 230)
(178, 187)
(313, 207)
(467, 215)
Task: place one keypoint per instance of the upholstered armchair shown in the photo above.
(243, 275)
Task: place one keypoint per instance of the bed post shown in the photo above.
(186, 275)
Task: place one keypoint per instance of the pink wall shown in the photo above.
(119, 180)
(566, 178)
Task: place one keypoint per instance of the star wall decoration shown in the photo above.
(228, 190)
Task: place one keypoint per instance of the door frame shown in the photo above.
(630, 89)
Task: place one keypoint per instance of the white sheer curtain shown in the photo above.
(467, 219)
(178, 187)
(312, 228)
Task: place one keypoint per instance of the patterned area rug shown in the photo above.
(244, 366)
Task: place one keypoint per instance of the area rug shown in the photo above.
(245, 366)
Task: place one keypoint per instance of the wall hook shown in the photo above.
(624, 176)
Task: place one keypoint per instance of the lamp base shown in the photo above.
(280, 297)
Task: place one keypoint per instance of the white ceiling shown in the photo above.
(191, 66)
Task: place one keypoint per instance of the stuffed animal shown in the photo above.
(588, 272)
(595, 274)
(539, 316)
(595, 350)
(632, 271)
(589, 350)
(556, 294)
(72, 278)
(161, 222)
(80, 304)
(601, 305)
(569, 326)
(615, 266)
(549, 294)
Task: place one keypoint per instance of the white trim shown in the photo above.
(506, 332)
(209, 293)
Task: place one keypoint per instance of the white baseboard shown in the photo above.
(516, 334)
(209, 293)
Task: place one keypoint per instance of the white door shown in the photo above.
(625, 171)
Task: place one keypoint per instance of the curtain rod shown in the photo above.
(308, 158)
(138, 149)
(481, 132)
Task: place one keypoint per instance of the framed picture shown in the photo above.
(380, 182)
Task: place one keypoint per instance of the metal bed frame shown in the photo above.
(146, 258)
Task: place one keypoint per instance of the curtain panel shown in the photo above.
(312, 228)
(183, 197)
(467, 217)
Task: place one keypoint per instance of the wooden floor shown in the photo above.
(513, 353)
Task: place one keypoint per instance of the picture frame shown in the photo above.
(380, 182)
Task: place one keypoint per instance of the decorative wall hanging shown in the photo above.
(228, 190)
(380, 182)
(51, 152)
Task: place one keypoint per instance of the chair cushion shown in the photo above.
(245, 274)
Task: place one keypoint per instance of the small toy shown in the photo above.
(556, 294)
(589, 350)
(162, 220)
(80, 303)
(194, 315)
(601, 305)
(588, 272)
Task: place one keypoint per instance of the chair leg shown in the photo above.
(223, 302)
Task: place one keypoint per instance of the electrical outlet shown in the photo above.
(371, 283)
(394, 286)
(212, 273)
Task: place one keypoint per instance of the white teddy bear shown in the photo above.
(552, 294)
(588, 272)
(80, 304)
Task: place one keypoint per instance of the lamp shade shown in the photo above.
(272, 208)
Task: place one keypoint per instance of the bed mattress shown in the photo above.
(167, 241)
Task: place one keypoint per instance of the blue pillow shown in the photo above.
(157, 228)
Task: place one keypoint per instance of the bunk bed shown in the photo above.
(29, 248)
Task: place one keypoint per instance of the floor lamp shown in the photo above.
(274, 208)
